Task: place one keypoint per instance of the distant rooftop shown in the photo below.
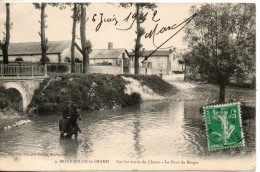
(34, 48)
(106, 53)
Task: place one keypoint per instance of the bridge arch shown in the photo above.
(21, 90)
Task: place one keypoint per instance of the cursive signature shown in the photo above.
(154, 32)
(132, 17)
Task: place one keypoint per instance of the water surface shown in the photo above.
(153, 129)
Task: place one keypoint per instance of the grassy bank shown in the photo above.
(154, 82)
(90, 92)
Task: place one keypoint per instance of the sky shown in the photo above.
(25, 19)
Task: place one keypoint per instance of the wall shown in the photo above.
(113, 61)
(54, 58)
(105, 69)
(96, 61)
(175, 66)
(158, 63)
(141, 71)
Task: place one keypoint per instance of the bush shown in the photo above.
(4, 103)
(58, 68)
(3, 98)
(90, 92)
(178, 72)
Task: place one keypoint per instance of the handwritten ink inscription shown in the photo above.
(132, 18)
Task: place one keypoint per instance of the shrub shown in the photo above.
(178, 72)
(58, 68)
(4, 103)
(90, 92)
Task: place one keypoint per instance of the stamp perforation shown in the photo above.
(240, 124)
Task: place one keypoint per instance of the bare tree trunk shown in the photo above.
(222, 87)
(42, 34)
(72, 47)
(5, 45)
(138, 39)
(185, 72)
(83, 39)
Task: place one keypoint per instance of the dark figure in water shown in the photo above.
(68, 124)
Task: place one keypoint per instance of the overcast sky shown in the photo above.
(26, 26)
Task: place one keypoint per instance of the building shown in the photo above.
(161, 61)
(58, 52)
(110, 60)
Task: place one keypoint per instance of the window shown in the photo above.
(116, 62)
(149, 65)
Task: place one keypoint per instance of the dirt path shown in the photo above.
(186, 91)
(209, 93)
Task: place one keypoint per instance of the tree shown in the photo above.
(85, 44)
(221, 42)
(139, 30)
(6, 39)
(75, 20)
(44, 40)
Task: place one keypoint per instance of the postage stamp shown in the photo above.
(224, 126)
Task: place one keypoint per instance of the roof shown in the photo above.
(34, 48)
(106, 53)
(156, 53)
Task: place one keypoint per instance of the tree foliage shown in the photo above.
(221, 42)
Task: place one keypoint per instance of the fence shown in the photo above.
(23, 70)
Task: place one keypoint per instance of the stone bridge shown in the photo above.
(25, 79)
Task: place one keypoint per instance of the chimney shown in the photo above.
(143, 49)
(110, 45)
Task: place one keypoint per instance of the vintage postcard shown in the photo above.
(127, 85)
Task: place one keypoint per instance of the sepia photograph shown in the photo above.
(127, 85)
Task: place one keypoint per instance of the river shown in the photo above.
(155, 128)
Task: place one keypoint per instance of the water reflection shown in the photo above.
(69, 146)
(139, 149)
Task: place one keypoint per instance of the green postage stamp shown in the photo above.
(224, 126)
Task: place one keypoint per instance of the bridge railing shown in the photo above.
(23, 70)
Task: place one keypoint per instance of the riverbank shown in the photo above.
(97, 91)
(9, 116)
(209, 93)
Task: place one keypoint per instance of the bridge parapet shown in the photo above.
(24, 78)
(23, 70)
